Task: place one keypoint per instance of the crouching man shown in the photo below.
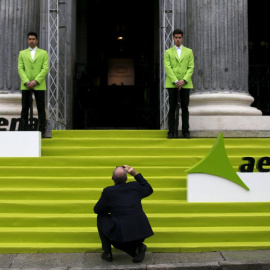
(121, 220)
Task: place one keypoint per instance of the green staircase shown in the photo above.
(46, 203)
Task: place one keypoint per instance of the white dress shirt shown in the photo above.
(179, 50)
(33, 51)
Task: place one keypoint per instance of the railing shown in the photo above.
(166, 41)
(56, 94)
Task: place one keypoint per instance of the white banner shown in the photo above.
(20, 144)
(203, 187)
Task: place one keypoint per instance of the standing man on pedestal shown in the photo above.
(179, 66)
(33, 67)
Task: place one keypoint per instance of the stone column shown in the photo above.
(180, 15)
(218, 34)
(17, 18)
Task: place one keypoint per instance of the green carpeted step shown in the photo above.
(47, 206)
(49, 235)
(151, 142)
(208, 219)
(47, 220)
(155, 247)
(185, 207)
(156, 220)
(145, 151)
(80, 194)
(26, 247)
(99, 161)
(109, 133)
(208, 246)
(128, 151)
(84, 182)
(101, 171)
(123, 143)
(162, 234)
(150, 206)
(210, 234)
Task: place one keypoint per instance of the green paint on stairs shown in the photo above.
(46, 203)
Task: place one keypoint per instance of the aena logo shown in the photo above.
(19, 124)
(260, 166)
(213, 179)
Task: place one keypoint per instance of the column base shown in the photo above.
(230, 126)
(229, 133)
(226, 122)
(229, 113)
(10, 105)
(222, 104)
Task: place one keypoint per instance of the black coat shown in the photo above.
(123, 202)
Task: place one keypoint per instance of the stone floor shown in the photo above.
(220, 260)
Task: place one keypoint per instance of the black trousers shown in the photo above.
(184, 102)
(40, 101)
(104, 224)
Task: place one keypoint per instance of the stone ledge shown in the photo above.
(228, 123)
(229, 133)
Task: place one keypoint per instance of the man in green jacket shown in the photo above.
(33, 67)
(179, 65)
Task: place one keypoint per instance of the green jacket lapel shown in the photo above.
(183, 52)
(175, 53)
(36, 54)
(28, 53)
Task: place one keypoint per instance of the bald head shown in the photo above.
(119, 175)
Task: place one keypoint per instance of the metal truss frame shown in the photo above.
(166, 41)
(56, 94)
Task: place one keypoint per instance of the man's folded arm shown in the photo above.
(190, 67)
(44, 69)
(145, 186)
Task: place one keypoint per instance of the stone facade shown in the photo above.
(217, 31)
(18, 17)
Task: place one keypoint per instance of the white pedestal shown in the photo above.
(226, 122)
(20, 144)
(225, 112)
(210, 188)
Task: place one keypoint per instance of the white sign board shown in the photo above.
(203, 187)
(20, 144)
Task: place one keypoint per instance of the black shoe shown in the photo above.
(140, 253)
(106, 256)
(170, 135)
(186, 135)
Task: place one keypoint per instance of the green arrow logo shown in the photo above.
(217, 163)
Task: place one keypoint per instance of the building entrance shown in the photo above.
(117, 65)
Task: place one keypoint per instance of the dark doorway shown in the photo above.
(259, 55)
(117, 69)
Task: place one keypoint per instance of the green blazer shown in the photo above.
(35, 69)
(178, 69)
